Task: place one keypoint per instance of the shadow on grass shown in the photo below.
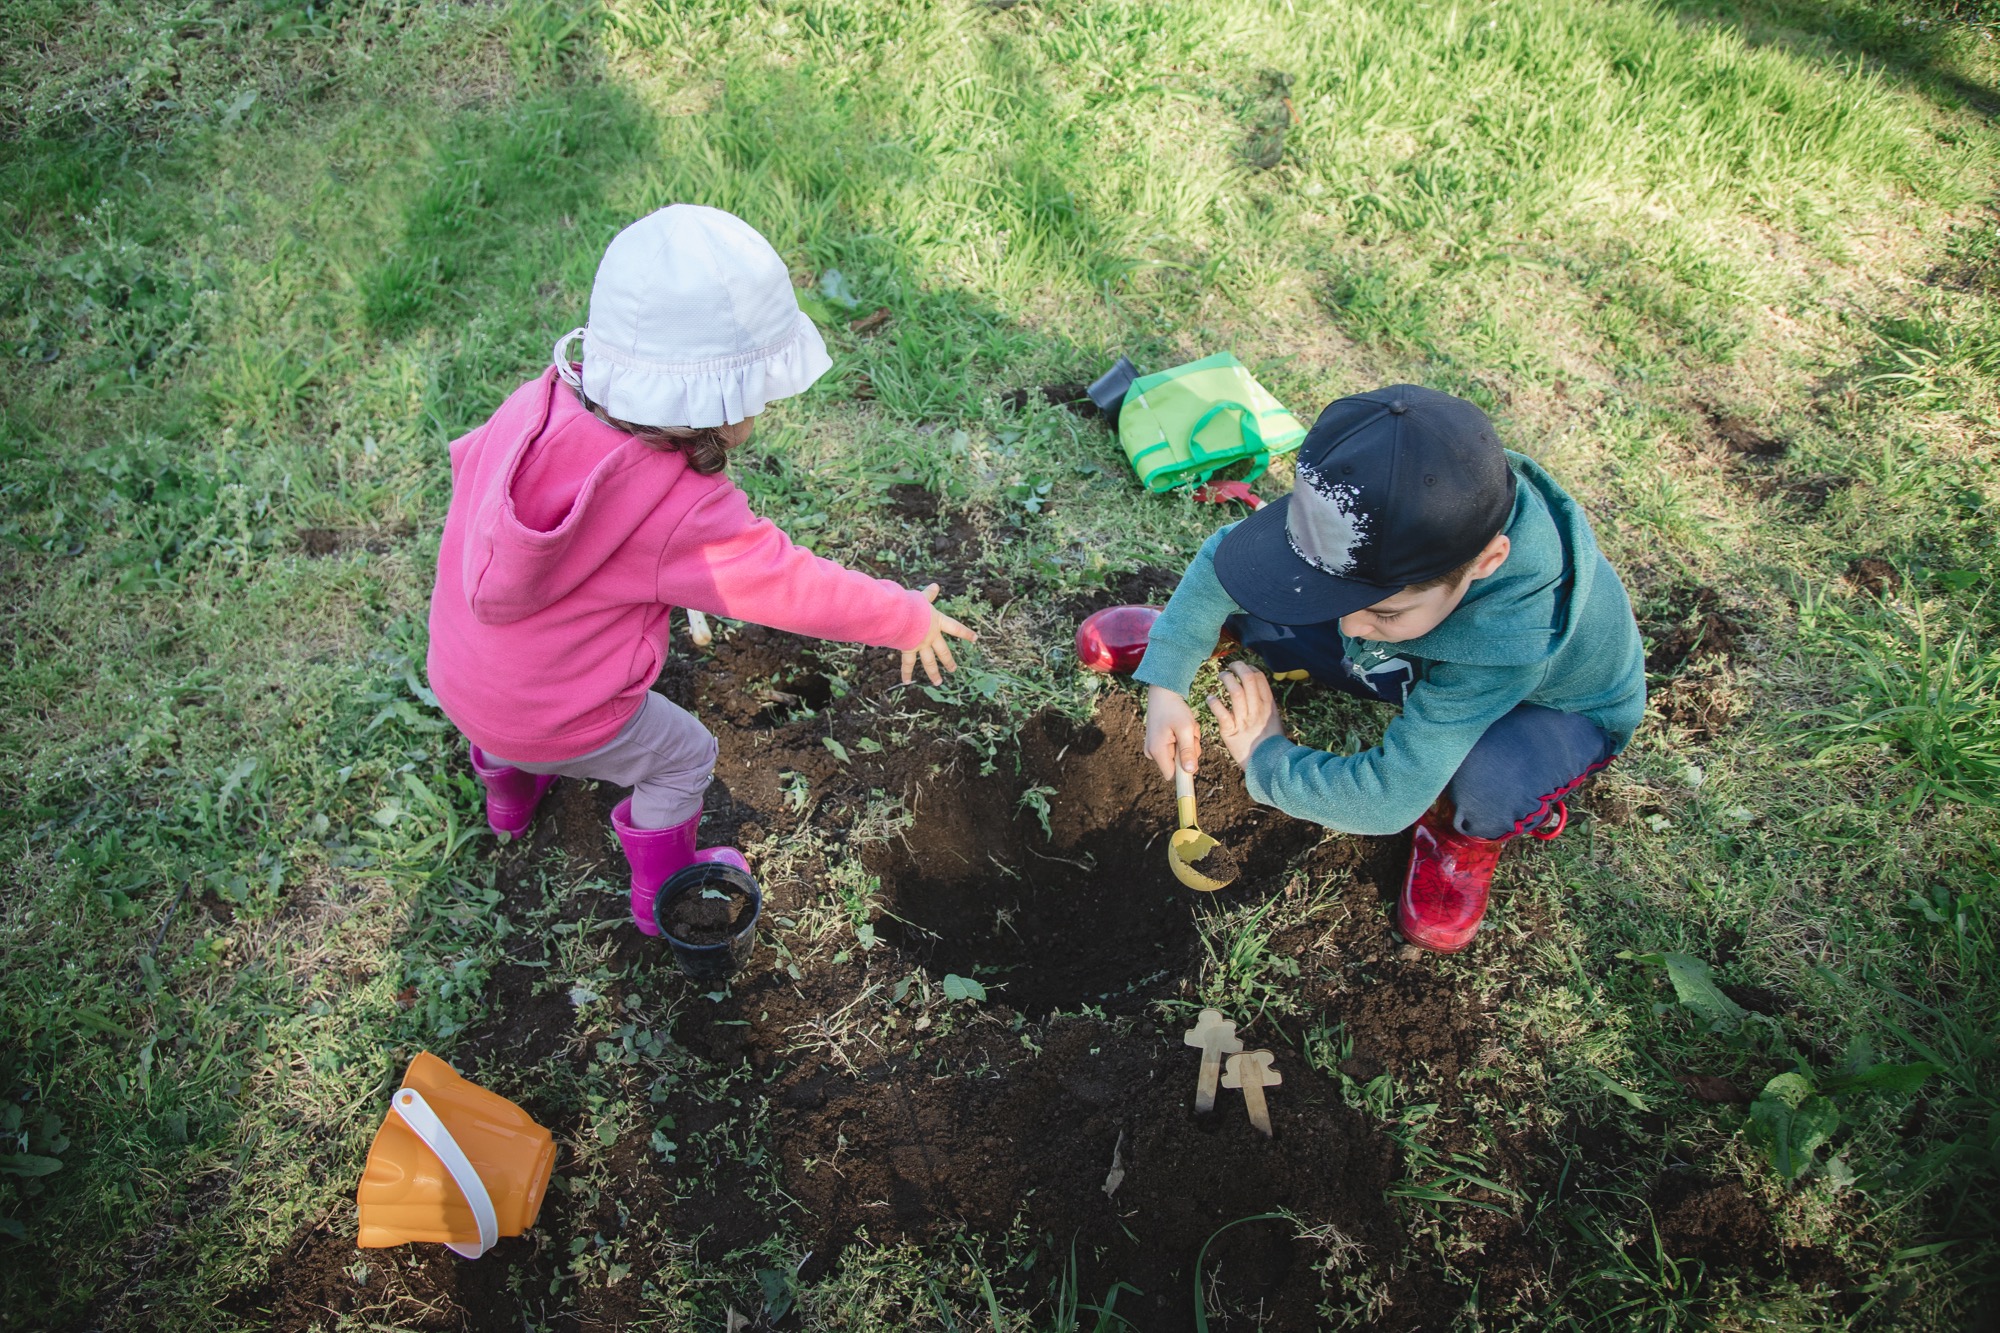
(1910, 44)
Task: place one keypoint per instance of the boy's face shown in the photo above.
(1407, 615)
(1411, 615)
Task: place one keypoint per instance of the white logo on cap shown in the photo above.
(1324, 525)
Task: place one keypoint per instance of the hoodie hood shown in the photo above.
(1521, 613)
(535, 531)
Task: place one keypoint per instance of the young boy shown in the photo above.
(1418, 563)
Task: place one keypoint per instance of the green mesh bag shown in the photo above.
(1209, 417)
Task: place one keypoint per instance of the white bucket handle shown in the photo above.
(424, 1123)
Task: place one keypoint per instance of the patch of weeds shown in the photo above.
(1797, 1112)
(1632, 1281)
(1037, 800)
(1434, 1179)
(32, 1144)
(859, 894)
(1242, 972)
(1931, 700)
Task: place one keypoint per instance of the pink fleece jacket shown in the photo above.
(566, 545)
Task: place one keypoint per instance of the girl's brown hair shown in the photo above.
(706, 449)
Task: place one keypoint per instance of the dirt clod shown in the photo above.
(1219, 864)
(712, 914)
(322, 542)
(1714, 1221)
(1739, 436)
(1694, 625)
(1874, 575)
(1072, 394)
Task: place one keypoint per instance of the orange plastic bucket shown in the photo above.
(452, 1164)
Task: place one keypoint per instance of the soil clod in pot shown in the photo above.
(709, 915)
(708, 912)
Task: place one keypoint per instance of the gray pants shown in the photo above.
(664, 755)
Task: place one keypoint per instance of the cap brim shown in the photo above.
(1263, 574)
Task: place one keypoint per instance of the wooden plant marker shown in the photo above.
(1216, 1036)
(1252, 1072)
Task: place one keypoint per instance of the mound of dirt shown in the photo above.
(1713, 1221)
(1047, 882)
(1873, 575)
(1740, 436)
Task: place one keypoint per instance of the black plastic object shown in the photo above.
(1108, 389)
(710, 962)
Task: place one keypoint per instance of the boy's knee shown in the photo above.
(1477, 816)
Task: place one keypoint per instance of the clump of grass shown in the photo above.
(1934, 705)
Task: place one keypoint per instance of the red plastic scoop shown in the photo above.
(1114, 639)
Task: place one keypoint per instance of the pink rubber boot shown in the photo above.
(656, 853)
(511, 795)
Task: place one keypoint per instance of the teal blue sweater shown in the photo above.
(1552, 626)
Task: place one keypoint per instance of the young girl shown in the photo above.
(593, 503)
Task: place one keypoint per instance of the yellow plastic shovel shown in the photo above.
(1190, 845)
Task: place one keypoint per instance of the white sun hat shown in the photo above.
(693, 323)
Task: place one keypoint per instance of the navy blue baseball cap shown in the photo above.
(1394, 487)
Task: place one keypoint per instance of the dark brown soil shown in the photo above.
(863, 1101)
(1089, 912)
(322, 542)
(1073, 394)
(1740, 436)
(1691, 625)
(985, 1131)
(1874, 576)
(709, 915)
(1713, 1221)
(1218, 863)
(322, 1274)
(1809, 493)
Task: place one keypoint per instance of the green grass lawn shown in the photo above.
(1732, 273)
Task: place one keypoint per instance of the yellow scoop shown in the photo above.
(1189, 844)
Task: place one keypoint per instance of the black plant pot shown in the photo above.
(710, 962)
(1108, 389)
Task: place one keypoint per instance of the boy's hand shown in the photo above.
(1173, 733)
(1250, 717)
(934, 649)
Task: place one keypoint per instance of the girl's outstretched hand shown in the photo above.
(934, 649)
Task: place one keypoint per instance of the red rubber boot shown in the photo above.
(656, 853)
(511, 795)
(1451, 873)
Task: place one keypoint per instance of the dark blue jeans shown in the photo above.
(1526, 762)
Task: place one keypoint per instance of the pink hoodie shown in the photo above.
(567, 543)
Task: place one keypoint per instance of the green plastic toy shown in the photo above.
(1185, 425)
